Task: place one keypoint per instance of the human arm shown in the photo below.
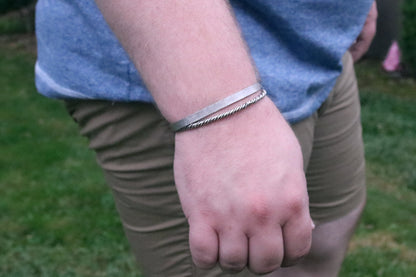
(240, 180)
(363, 42)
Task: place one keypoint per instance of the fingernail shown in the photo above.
(313, 225)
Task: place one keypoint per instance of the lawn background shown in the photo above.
(57, 216)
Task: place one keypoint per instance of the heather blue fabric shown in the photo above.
(297, 46)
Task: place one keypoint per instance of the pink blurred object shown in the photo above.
(393, 59)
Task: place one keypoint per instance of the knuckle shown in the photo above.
(267, 264)
(296, 257)
(305, 251)
(301, 254)
(296, 205)
(261, 211)
(233, 261)
(297, 201)
(203, 255)
(204, 261)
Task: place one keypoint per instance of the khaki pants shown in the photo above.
(135, 148)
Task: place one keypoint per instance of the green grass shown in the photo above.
(57, 216)
(385, 242)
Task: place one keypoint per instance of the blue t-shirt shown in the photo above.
(297, 46)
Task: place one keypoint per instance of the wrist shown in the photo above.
(252, 121)
(221, 109)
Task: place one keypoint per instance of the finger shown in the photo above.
(233, 252)
(297, 237)
(203, 243)
(265, 251)
(359, 49)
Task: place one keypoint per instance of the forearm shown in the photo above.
(241, 170)
(189, 53)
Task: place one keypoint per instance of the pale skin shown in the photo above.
(363, 42)
(240, 180)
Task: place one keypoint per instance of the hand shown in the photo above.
(243, 190)
(363, 42)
